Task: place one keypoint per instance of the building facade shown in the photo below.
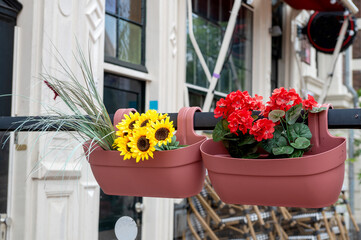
(142, 58)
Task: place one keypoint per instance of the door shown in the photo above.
(8, 13)
(120, 92)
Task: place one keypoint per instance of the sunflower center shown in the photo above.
(143, 144)
(131, 125)
(161, 134)
(144, 123)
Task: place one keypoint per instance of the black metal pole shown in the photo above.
(337, 119)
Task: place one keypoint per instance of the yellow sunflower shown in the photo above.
(162, 116)
(162, 131)
(127, 124)
(116, 142)
(141, 145)
(123, 148)
(146, 119)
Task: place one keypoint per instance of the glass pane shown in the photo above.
(111, 209)
(4, 173)
(209, 29)
(129, 42)
(110, 36)
(131, 9)
(121, 92)
(111, 6)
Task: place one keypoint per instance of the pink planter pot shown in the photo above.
(173, 174)
(312, 181)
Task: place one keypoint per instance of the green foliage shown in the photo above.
(293, 114)
(317, 109)
(290, 139)
(220, 131)
(174, 144)
(299, 130)
(301, 143)
(283, 150)
(276, 115)
(85, 111)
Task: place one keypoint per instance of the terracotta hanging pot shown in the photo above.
(312, 181)
(173, 174)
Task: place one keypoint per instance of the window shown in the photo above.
(125, 33)
(210, 20)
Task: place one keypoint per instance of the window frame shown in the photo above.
(218, 94)
(114, 60)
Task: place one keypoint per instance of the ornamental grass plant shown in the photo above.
(86, 119)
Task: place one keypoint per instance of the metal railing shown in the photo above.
(337, 119)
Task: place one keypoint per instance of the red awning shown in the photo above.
(317, 5)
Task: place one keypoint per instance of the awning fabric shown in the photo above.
(317, 5)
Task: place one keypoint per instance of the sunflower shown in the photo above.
(162, 116)
(146, 119)
(116, 142)
(141, 145)
(162, 131)
(123, 147)
(127, 124)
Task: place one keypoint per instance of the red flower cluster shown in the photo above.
(282, 99)
(240, 119)
(237, 109)
(238, 100)
(262, 129)
(309, 103)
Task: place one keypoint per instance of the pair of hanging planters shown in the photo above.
(313, 180)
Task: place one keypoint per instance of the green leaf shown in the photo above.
(297, 153)
(219, 131)
(283, 150)
(317, 109)
(276, 141)
(252, 156)
(299, 130)
(276, 115)
(301, 143)
(293, 114)
(246, 139)
(282, 141)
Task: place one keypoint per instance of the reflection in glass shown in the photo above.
(110, 36)
(131, 9)
(111, 6)
(129, 42)
(120, 92)
(210, 20)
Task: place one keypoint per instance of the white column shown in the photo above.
(60, 201)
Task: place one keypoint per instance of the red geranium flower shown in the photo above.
(240, 119)
(309, 103)
(282, 99)
(221, 109)
(262, 129)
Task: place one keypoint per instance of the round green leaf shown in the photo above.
(282, 141)
(301, 143)
(299, 130)
(276, 115)
(283, 150)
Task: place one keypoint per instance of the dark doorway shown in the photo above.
(8, 12)
(120, 92)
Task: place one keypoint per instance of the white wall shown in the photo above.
(43, 204)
